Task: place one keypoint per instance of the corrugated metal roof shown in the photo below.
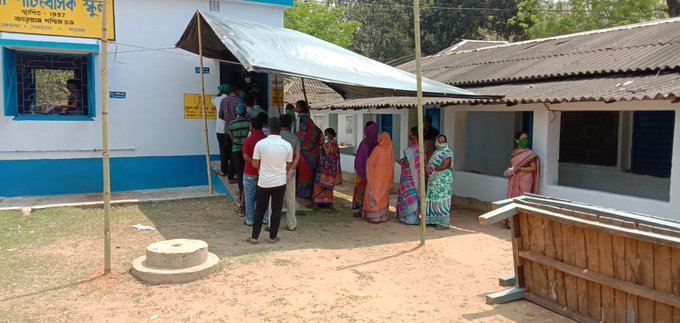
(318, 93)
(634, 48)
(470, 44)
(599, 89)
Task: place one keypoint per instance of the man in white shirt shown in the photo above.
(273, 157)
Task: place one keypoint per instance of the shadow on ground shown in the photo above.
(216, 221)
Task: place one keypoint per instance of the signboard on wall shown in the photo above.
(70, 18)
(276, 87)
(197, 70)
(192, 106)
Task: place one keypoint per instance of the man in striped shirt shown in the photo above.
(239, 129)
(228, 114)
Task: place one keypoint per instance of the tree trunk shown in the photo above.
(673, 8)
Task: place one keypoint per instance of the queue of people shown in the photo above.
(273, 160)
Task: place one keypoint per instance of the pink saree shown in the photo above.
(521, 183)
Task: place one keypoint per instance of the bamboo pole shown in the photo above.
(105, 140)
(203, 108)
(276, 88)
(304, 91)
(421, 143)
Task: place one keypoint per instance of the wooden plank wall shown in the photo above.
(625, 259)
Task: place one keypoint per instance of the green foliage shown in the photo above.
(383, 29)
(545, 18)
(386, 31)
(321, 21)
(50, 87)
(387, 27)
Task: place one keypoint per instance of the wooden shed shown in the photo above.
(593, 264)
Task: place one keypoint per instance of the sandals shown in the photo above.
(275, 240)
(441, 228)
(252, 241)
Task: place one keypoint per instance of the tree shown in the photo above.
(544, 18)
(447, 22)
(321, 21)
(386, 32)
(673, 8)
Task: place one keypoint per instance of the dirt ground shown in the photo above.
(333, 268)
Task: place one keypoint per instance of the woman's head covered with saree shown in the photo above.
(365, 148)
(380, 176)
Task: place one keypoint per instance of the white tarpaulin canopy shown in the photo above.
(263, 48)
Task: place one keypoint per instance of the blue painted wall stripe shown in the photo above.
(49, 45)
(288, 3)
(84, 175)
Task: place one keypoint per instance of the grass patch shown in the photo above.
(45, 226)
(363, 276)
(285, 263)
(253, 258)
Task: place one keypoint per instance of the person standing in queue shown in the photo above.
(273, 157)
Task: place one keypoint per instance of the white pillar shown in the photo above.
(675, 170)
(546, 143)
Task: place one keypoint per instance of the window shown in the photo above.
(621, 152)
(590, 138)
(47, 86)
(214, 6)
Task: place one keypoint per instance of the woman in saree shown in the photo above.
(310, 141)
(329, 173)
(380, 176)
(524, 169)
(408, 210)
(440, 185)
(364, 151)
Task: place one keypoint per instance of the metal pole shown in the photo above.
(421, 148)
(105, 140)
(203, 108)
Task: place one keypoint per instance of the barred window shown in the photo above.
(52, 84)
(214, 6)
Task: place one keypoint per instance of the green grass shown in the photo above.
(44, 226)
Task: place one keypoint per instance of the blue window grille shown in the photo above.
(48, 86)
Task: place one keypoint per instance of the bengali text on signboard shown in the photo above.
(70, 18)
(276, 86)
(192, 106)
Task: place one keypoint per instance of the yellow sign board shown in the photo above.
(277, 97)
(277, 91)
(70, 18)
(192, 106)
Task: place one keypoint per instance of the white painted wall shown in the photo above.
(546, 144)
(360, 118)
(149, 122)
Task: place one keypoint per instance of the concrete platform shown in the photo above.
(174, 262)
(27, 203)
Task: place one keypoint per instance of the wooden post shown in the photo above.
(421, 143)
(105, 140)
(304, 91)
(203, 108)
